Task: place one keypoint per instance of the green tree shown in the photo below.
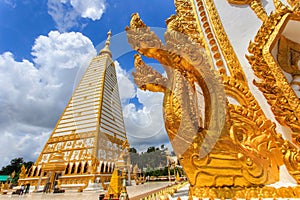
(15, 167)
(152, 158)
(132, 150)
(150, 149)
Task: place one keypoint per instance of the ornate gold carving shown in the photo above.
(294, 3)
(241, 148)
(154, 82)
(256, 6)
(240, 2)
(210, 45)
(279, 6)
(245, 151)
(288, 58)
(292, 160)
(230, 57)
(273, 84)
(185, 21)
(115, 186)
(23, 172)
(247, 192)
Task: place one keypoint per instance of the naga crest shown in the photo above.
(216, 126)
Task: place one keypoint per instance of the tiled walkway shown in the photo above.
(133, 191)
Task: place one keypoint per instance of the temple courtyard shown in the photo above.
(134, 192)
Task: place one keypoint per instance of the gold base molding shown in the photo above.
(245, 192)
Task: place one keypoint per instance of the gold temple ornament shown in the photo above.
(225, 143)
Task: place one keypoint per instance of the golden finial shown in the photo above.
(106, 47)
(108, 38)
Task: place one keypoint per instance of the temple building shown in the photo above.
(88, 137)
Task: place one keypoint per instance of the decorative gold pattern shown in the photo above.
(227, 51)
(256, 6)
(273, 83)
(186, 66)
(294, 3)
(227, 149)
(23, 172)
(211, 46)
(247, 192)
(115, 186)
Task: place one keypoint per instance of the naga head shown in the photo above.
(194, 106)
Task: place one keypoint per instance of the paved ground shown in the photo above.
(71, 196)
(183, 193)
(142, 190)
(133, 191)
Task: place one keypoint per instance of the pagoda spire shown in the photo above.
(106, 49)
(90, 134)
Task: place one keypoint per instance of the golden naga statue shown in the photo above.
(226, 144)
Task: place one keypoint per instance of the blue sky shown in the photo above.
(44, 47)
(22, 21)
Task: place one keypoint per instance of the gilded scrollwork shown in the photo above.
(208, 8)
(234, 139)
(280, 92)
(234, 144)
(294, 3)
(256, 6)
(273, 84)
(292, 160)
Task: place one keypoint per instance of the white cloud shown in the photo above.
(12, 3)
(63, 15)
(33, 94)
(92, 9)
(126, 86)
(144, 124)
(67, 13)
